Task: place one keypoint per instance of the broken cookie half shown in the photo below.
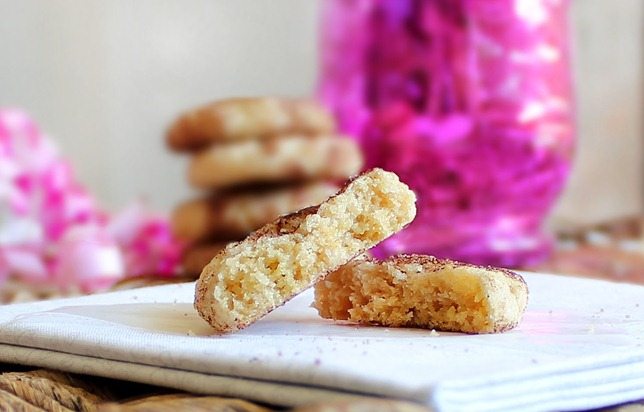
(423, 291)
(250, 278)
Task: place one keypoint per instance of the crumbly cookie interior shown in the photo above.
(250, 278)
(427, 293)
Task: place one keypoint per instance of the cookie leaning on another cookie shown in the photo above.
(234, 216)
(423, 291)
(250, 278)
(247, 118)
(288, 158)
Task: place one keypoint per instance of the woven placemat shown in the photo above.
(25, 390)
(22, 389)
(48, 390)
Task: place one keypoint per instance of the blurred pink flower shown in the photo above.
(52, 230)
(146, 241)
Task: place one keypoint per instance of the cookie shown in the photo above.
(195, 258)
(250, 278)
(235, 215)
(425, 292)
(247, 118)
(291, 158)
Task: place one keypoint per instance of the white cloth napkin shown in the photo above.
(579, 346)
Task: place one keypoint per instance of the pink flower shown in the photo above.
(89, 258)
(51, 228)
(146, 241)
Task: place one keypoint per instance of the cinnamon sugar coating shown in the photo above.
(423, 291)
(250, 278)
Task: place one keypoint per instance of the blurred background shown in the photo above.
(106, 79)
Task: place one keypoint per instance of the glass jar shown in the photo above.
(469, 102)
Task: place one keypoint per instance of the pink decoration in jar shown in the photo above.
(469, 102)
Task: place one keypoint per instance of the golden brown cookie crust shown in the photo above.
(196, 257)
(423, 291)
(235, 215)
(288, 158)
(251, 278)
(246, 119)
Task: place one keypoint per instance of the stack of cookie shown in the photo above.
(255, 159)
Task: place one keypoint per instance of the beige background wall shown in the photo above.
(608, 179)
(105, 78)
